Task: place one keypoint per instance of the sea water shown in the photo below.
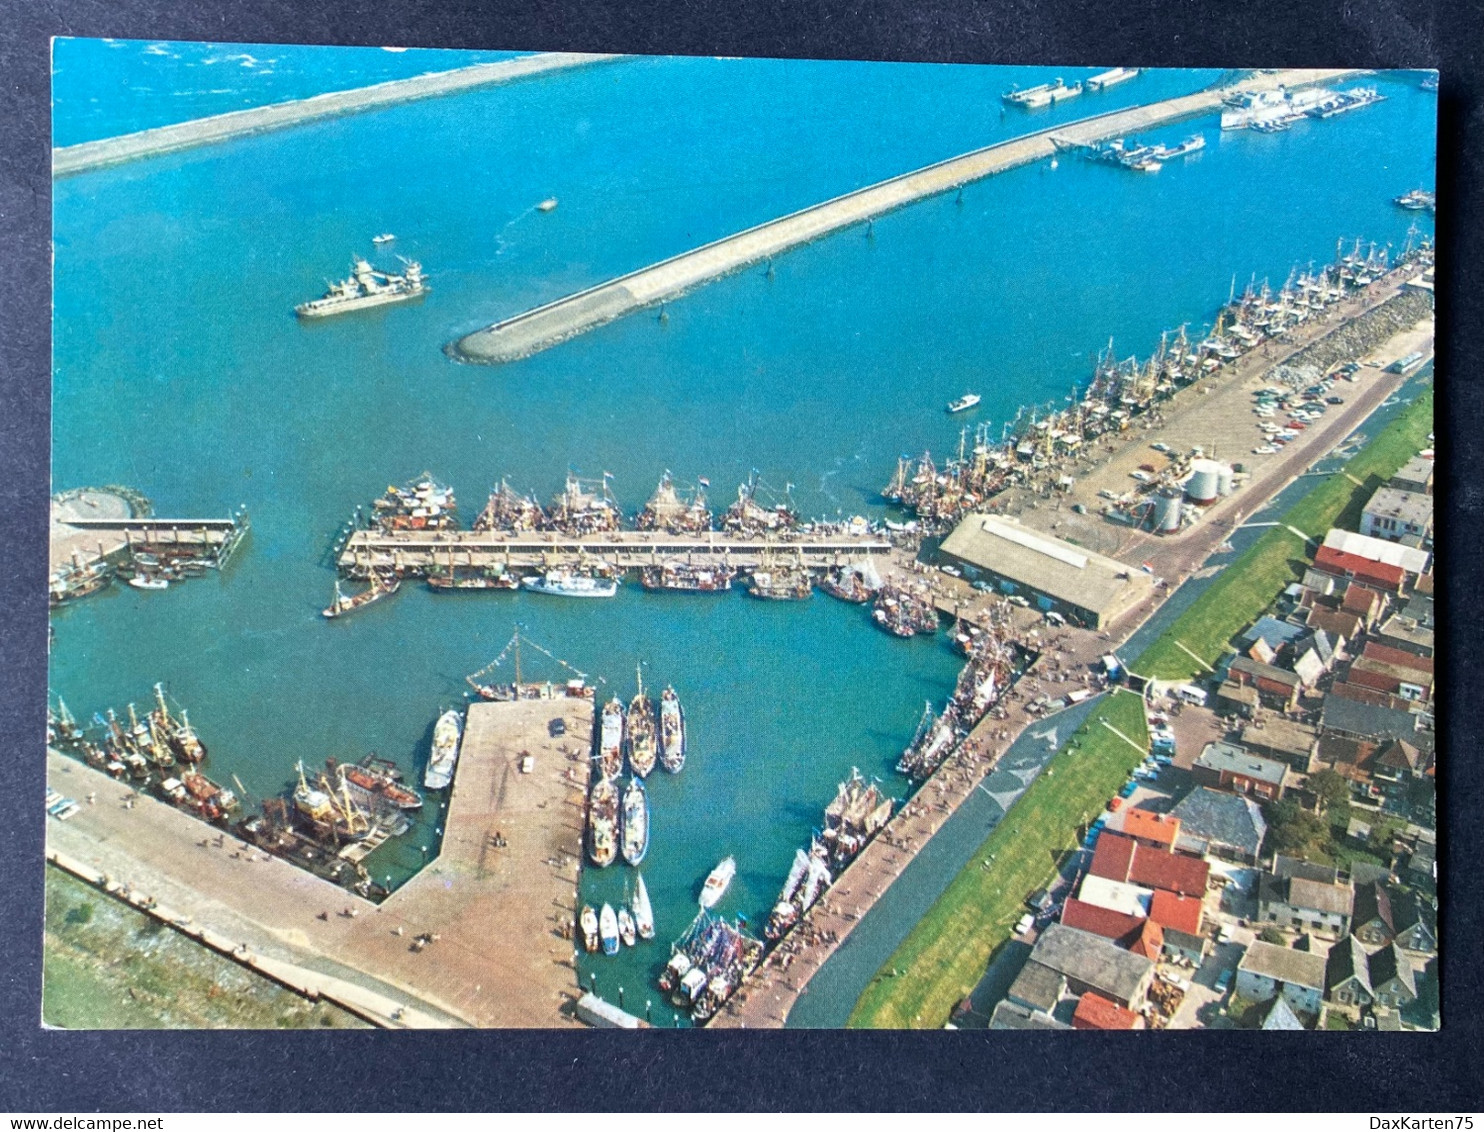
(181, 370)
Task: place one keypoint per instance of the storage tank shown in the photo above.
(1226, 480)
(1202, 487)
(1166, 513)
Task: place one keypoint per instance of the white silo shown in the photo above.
(1202, 487)
(1166, 513)
(1226, 480)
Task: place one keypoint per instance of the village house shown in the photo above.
(1304, 904)
(1080, 962)
(1399, 516)
(1277, 688)
(1268, 970)
(1352, 567)
(1225, 825)
(1226, 766)
(1285, 739)
(1416, 475)
(1386, 914)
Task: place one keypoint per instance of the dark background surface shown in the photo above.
(152, 1071)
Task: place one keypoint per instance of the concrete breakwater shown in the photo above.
(545, 326)
(222, 127)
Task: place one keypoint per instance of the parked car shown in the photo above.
(1224, 981)
(983, 587)
(1160, 446)
(1264, 450)
(1142, 477)
(556, 727)
(1024, 924)
(1335, 400)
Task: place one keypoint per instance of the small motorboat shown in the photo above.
(384, 238)
(588, 921)
(149, 582)
(608, 930)
(967, 401)
(548, 204)
(717, 883)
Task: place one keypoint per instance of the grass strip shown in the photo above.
(945, 955)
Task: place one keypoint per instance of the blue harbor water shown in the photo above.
(180, 369)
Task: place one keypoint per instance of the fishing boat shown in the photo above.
(781, 583)
(384, 238)
(608, 930)
(380, 587)
(423, 504)
(643, 913)
(635, 822)
(588, 922)
(602, 823)
(1035, 97)
(718, 882)
(785, 914)
(967, 401)
(211, 801)
(377, 787)
(446, 735)
(672, 731)
(639, 732)
(685, 577)
(610, 739)
(569, 583)
(178, 733)
(1193, 144)
(626, 930)
(1417, 200)
(855, 584)
(149, 582)
(576, 685)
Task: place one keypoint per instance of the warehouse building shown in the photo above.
(1052, 574)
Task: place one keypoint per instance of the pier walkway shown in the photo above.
(223, 127)
(430, 551)
(498, 918)
(544, 326)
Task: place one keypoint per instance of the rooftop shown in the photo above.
(1347, 959)
(1284, 965)
(1271, 630)
(1094, 1012)
(1413, 508)
(1048, 565)
(1012, 1016)
(1280, 1016)
(1411, 560)
(1037, 985)
(1118, 896)
(1228, 758)
(1259, 670)
(1417, 470)
(1172, 911)
(1346, 565)
(1280, 734)
(1367, 720)
(1093, 961)
(1101, 921)
(1169, 871)
(1223, 819)
(1148, 826)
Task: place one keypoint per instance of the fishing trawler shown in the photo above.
(584, 508)
(206, 798)
(855, 584)
(374, 783)
(588, 923)
(569, 583)
(608, 930)
(1193, 144)
(610, 739)
(381, 586)
(717, 882)
(643, 913)
(179, 733)
(902, 612)
(506, 510)
(635, 822)
(672, 731)
(77, 580)
(330, 818)
(602, 823)
(639, 731)
(367, 287)
(446, 735)
(785, 912)
(685, 577)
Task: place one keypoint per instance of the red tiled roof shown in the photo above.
(1159, 828)
(1333, 561)
(1182, 913)
(1150, 941)
(1172, 872)
(1374, 650)
(1100, 921)
(1112, 856)
(1380, 681)
(1094, 1012)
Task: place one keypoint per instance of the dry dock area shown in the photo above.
(496, 918)
(544, 326)
(222, 127)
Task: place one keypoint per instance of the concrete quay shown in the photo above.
(430, 552)
(84, 156)
(499, 917)
(544, 326)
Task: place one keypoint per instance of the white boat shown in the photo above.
(608, 929)
(149, 582)
(967, 401)
(564, 583)
(588, 921)
(446, 736)
(626, 930)
(717, 883)
(643, 913)
(367, 287)
(1112, 78)
(548, 204)
(384, 238)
